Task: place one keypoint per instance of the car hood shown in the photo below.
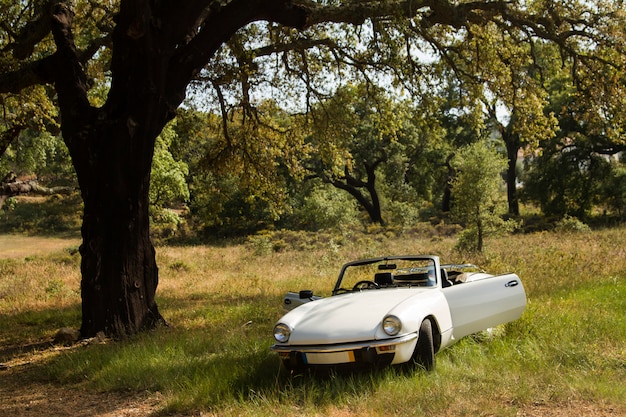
(347, 317)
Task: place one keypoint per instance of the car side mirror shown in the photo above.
(293, 299)
(306, 294)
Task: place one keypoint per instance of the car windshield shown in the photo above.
(386, 272)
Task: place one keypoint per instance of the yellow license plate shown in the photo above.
(329, 358)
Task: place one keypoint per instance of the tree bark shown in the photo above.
(119, 271)
(512, 148)
(353, 185)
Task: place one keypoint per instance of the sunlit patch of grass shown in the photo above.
(38, 296)
(27, 247)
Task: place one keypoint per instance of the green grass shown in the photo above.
(221, 303)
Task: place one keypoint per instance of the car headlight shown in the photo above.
(282, 332)
(392, 325)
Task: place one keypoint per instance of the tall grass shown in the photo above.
(221, 303)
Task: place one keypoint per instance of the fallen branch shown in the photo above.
(13, 187)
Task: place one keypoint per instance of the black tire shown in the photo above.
(424, 354)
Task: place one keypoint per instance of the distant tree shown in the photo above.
(319, 206)
(39, 154)
(362, 142)
(239, 173)
(614, 193)
(461, 120)
(566, 179)
(508, 92)
(477, 193)
(570, 173)
(168, 183)
(168, 186)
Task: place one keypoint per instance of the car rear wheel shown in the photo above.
(424, 354)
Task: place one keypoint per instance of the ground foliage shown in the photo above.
(565, 352)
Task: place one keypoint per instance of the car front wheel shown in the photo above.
(424, 354)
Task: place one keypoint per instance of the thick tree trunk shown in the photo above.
(119, 271)
(119, 275)
(111, 149)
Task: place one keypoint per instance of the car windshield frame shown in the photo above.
(407, 271)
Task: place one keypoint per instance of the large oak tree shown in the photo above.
(117, 72)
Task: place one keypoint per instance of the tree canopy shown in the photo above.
(111, 74)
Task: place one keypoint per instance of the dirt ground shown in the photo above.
(36, 399)
(22, 395)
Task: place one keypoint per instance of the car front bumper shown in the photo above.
(375, 352)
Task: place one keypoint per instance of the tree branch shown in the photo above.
(69, 78)
(35, 30)
(219, 27)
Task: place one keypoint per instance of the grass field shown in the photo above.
(566, 355)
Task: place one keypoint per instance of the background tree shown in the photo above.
(507, 90)
(241, 170)
(317, 206)
(353, 135)
(145, 55)
(569, 175)
(461, 121)
(168, 184)
(477, 193)
(614, 192)
(567, 179)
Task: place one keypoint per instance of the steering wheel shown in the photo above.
(365, 284)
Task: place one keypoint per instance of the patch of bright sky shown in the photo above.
(292, 93)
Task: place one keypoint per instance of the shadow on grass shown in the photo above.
(257, 379)
(31, 331)
(213, 363)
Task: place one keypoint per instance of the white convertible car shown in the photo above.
(394, 310)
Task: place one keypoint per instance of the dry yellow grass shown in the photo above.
(19, 247)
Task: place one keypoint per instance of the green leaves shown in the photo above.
(477, 193)
(168, 185)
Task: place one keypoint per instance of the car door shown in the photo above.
(479, 305)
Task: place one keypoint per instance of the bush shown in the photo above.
(164, 222)
(571, 225)
(324, 208)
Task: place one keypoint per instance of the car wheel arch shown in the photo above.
(436, 332)
(424, 353)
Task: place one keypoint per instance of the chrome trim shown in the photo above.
(343, 346)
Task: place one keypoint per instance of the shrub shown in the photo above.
(477, 196)
(570, 224)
